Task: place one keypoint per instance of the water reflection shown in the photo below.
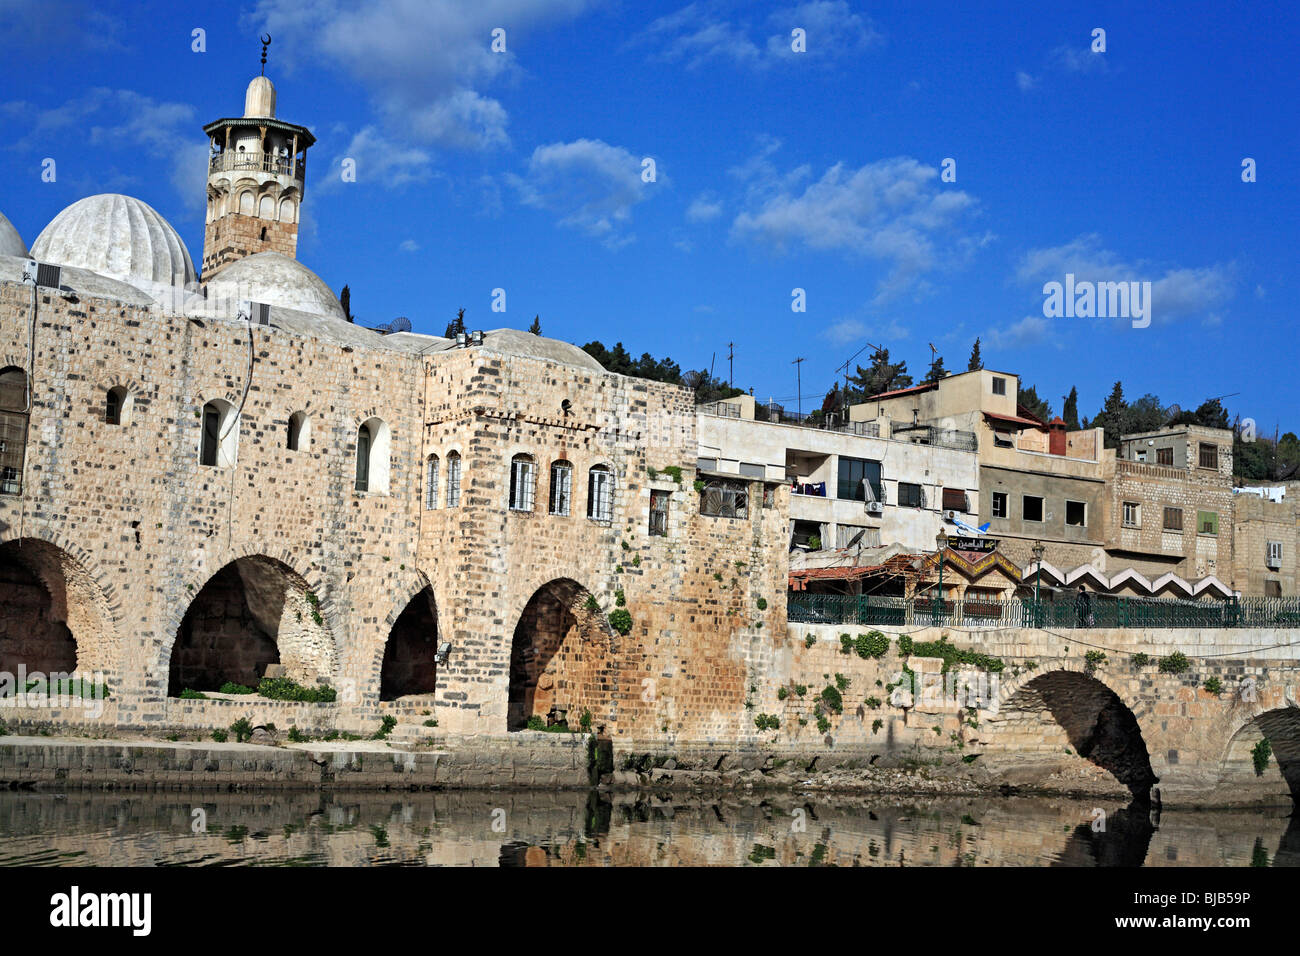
(499, 828)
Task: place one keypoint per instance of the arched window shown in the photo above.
(561, 487)
(299, 432)
(523, 483)
(431, 483)
(372, 456)
(453, 480)
(600, 494)
(219, 438)
(117, 406)
(13, 429)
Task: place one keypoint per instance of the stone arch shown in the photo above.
(56, 612)
(560, 646)
(409, 667)
(1062, 707)
(1281, 727)
(255, 612)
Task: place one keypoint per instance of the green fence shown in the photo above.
(1097, 611)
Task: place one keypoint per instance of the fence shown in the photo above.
(1100, 611)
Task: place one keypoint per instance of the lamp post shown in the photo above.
(941, 542)
(1037, 551)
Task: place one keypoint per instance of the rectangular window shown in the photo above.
(431, 485)
(769, 496)
(1076, 513)
(1132, 514)
(1273, 554)
(1207, 522)
(999, 386)
(1173, 519)
(600, 495)
(1003, 440)
(212, 430)
(561, 488)
(1031, 508)
(954, 499)
(1164, 456)
(13, 437)
(750, 470)
(453, 481)
(1209, 456)
(855, 471)
(723, 498)
(999, 504)
(910, 496)
(523, 485)
(659, 512)
(706, 464)
(845, 534)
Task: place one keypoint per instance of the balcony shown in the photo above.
(932, 435)
(232, 160)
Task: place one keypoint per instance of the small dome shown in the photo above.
(11, 244)
(515, 342)
(260, 99)
(276, 280)
(119, 237)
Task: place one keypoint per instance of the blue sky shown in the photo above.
(775, 170)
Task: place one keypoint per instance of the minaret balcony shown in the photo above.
(231, 160)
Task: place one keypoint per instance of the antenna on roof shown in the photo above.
(266, 41)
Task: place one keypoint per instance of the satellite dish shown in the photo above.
(857, 537)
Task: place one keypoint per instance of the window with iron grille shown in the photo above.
(1164, 456)
(659, 512)
(431, 483)
(561, 487)
(13, 429)
(723, 498)
(453, 480)
(600, 494)
(1173, 519)
(1132, 514)
(910, 495)
(999, 504)
(1209, 456)
(523, 483)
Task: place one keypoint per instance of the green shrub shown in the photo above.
(591, 604)
(584, 722)
(386, 725)
(219, 736)
(674, 472)
(536, 723)
(810, 640)
(431, 723)
(846, 644)
(188, 694)
(1175, 663)
(1092, 660)
(767, 722)
(242, 730)
(230, 687)
(876, 725)
(905, 644)
(296, 736)
(1140, 660)
(871, 644)
(699, 485)
(762, 604)
(833, 699)
(282, 688)
(823, 725)
(620, 619)
(841, 682)
(1214, 685)
(873, 703)
(954, 655)
(801, 689)
(1260, 754)
(782, 693)
(620, 599)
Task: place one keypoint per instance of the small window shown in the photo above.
(769, 496)
(910, 496)
(999, 386)
(523, 483)
(1132, 514)
(219, 438)
(1164, 456)
(954, 499)
(431, 483)
(706, 464)
(600, 494)
(659, 512)
(1207, 522)
(1209, 456)
(1032, 508)
(299, 432)
(1003, 439)
(453, 480)
(1076, 513)
(117, 406)
(13, 429)
(751, 470)
(999, 504)
(373, 442)
(1273, 554)
(724, 498)
(1173, 519)
(561, 487)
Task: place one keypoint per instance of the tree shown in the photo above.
(456, 326)
(1112, 416)
(976, 362)
(882, 376)
(345, 300)
(536, 327)
(1028, 399)
(937, 371)
(1070, 410)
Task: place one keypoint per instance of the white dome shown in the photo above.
(259, 100)
(276, 280)
(116, 236)
(11, 244)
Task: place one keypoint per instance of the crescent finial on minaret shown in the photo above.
(266, 41)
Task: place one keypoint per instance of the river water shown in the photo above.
(503, 828)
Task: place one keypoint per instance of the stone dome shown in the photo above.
(276, 280)
(116, 236)
(515, 342)
(259, 98)
(11, 244)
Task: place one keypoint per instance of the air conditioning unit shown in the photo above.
(1274, 556)
(875, 508)
(43, 274)
(950, 515)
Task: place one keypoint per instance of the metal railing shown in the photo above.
(257, 162)
(932, 435)
(1099, 611)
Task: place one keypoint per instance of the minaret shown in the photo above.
(256, 173)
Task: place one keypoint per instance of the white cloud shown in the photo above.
(704, 208)
(1074, 60)
(591, 185)
(1025, 81)
(1031, 330)
(856, 331)
(409, 245)
(378, 162)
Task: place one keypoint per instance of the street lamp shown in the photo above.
(1037, 551)
(941, 542)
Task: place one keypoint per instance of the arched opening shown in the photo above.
(219, 436)
(431, 483)
(1264, 756)
(1066, 710)
(600, 494)
(410, 656)
(253, 614)
(299, 432)
(117, 406)
(372, 456)
(555, 658)
(13, 429)
(453, 479)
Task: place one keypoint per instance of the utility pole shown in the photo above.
(799, 386)
(731, 371)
